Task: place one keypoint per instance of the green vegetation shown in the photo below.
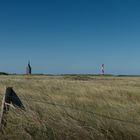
(3, 73)
(73, 108)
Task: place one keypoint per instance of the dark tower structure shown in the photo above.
(102, 69)
(28, 69)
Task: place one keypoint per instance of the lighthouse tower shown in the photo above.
(102, 69)
(28, 69)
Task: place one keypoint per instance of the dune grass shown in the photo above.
(73, 108)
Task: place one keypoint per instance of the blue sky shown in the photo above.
(70, 36)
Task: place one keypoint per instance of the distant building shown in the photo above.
(28, 69)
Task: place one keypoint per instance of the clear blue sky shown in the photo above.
(70, 36)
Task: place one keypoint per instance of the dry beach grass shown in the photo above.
(73, 108)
